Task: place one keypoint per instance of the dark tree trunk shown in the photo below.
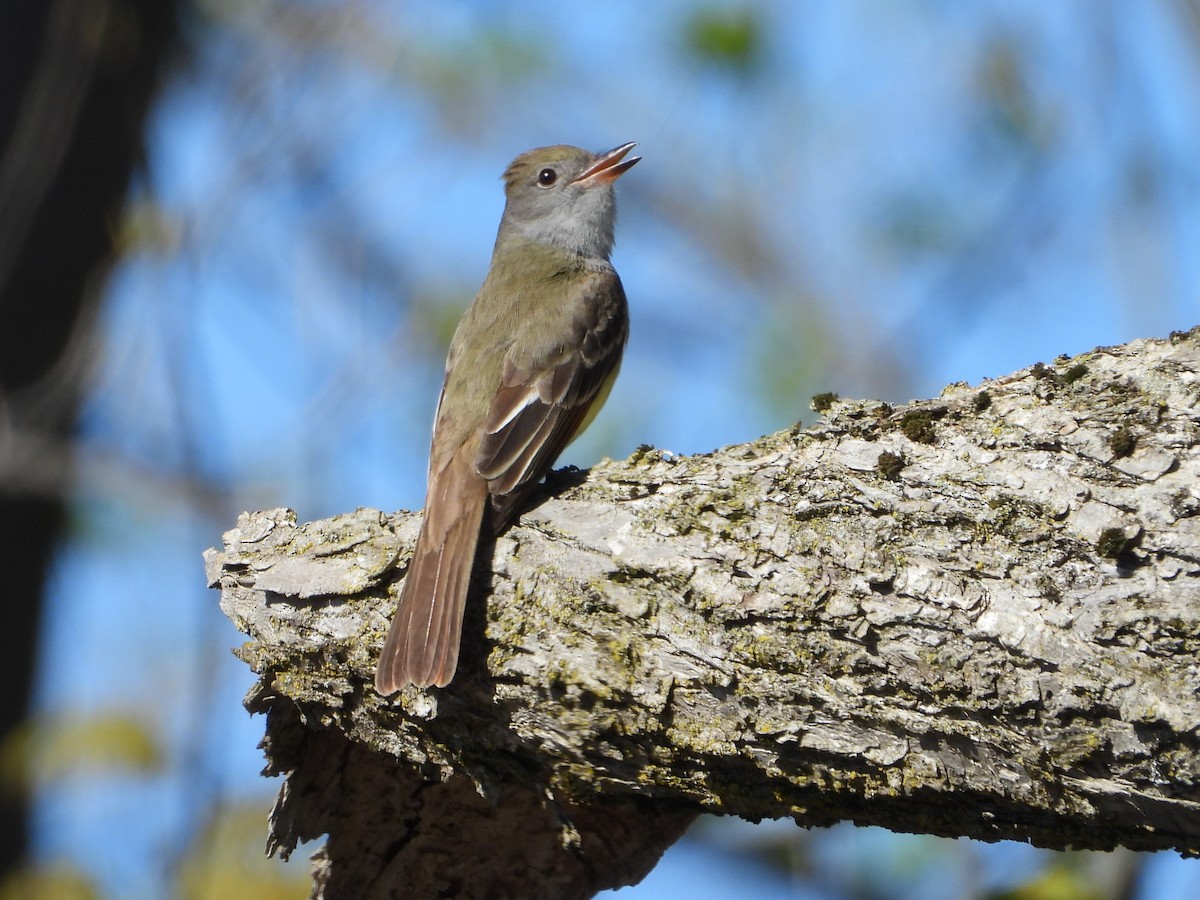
(76, 78)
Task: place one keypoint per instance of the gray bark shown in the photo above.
(977, 615)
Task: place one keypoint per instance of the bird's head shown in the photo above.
(563, 196)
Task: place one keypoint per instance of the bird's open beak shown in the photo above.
(607, 167)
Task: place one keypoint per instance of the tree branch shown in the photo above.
(978, 616)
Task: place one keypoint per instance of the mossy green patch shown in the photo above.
(917, 425)
(824, 401)
(1122, 442)
(890, 465)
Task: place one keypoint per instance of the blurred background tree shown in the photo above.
(874, 197)
(76, 79)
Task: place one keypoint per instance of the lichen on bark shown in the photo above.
(992, 634)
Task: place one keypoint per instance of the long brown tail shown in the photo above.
(421, 647)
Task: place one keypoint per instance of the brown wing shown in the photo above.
(548, 395)
(422, 643)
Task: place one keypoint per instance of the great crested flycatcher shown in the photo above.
(530, 364)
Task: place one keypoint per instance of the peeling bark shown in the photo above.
(977, 615)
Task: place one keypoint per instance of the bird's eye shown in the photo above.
(547, 177)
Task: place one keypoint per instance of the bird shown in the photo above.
(530, 364)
